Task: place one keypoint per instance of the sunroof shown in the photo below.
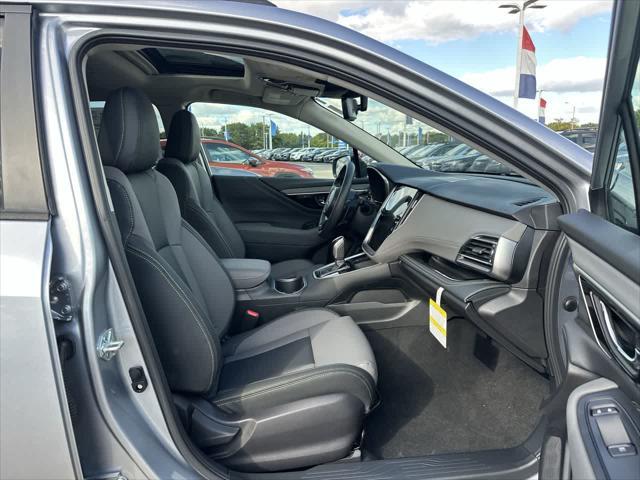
(174, 60)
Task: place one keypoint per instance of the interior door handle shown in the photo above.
(630, 361)
(611, 333)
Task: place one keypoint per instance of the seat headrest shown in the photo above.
(129, 137)
(183, 141)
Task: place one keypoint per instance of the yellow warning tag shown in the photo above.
(438, 321)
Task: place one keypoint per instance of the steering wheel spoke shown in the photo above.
(336, 203)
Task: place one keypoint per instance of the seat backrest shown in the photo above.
(186, 295)
(198, 203)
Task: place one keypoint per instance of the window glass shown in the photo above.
(635, 97)
(420, 143)
(219, 152)
(241, 140)
(1, 195)
(621, 199)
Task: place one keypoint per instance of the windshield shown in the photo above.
(424, 146)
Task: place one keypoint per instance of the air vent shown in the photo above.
(522, 203)
(478, 253)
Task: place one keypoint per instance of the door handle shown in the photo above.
(629, 360)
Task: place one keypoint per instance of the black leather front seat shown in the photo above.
(289, 394)
(199, 204)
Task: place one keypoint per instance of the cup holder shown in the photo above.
(289, 285)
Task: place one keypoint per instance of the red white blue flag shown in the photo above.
(541, 110)
(527, 85)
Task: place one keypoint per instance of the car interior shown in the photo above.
(292, 315)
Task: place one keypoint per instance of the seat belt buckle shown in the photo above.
(251, 314)
(250, 319)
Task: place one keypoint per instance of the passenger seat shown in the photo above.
(289, 394)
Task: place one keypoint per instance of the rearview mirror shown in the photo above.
(351, 107)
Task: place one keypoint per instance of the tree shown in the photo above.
(319, 140)
(209, 132)
(288, 140)
(559, 125)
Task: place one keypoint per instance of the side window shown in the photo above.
(239, 140)
(621, 195)
(1, 32)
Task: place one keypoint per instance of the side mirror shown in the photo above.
(338, 164)
(351, 107)
(253, 161)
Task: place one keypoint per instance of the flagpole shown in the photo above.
(519, 9)
(270, 134)
(516, 90)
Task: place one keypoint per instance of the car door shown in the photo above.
(602, 414)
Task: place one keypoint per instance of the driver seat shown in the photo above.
(199, 205)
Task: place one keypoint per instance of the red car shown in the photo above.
(223, 154)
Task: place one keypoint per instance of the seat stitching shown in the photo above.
(155, 264)
(122, 130)
(175, 283)
(197, 235)
(236, 399)
(129, 204)
(215, 227)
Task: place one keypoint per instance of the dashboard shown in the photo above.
(484, 239)
(483, 224)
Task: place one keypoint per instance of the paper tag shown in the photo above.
(438, 319)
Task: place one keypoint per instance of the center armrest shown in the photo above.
(246, 272)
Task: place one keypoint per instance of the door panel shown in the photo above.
(603, 420)
(310, 193)
(603, 427)
(273, 226)
(607, 262)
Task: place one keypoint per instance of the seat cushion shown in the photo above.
(306, 353)
(292, 268)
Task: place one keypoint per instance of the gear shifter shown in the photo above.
(337, 249)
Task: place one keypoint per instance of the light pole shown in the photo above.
(573, 115)
(519, 9)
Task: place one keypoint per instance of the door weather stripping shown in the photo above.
(108, 345)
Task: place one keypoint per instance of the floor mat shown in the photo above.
(436, 400)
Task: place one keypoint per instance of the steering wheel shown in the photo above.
(336, 202)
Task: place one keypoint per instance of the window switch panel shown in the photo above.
(623, 450)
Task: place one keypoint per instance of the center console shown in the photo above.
(273, 297)
(392, 213)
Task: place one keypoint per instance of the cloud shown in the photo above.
(561, 75)
(437, 21)
(566, 82)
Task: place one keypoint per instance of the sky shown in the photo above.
(476, 42)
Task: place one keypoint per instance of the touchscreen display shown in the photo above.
(391, 212)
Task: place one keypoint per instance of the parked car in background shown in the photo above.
(297, 153)
(222, 154)
(585, 137)
(310, 154)
(282, 154)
